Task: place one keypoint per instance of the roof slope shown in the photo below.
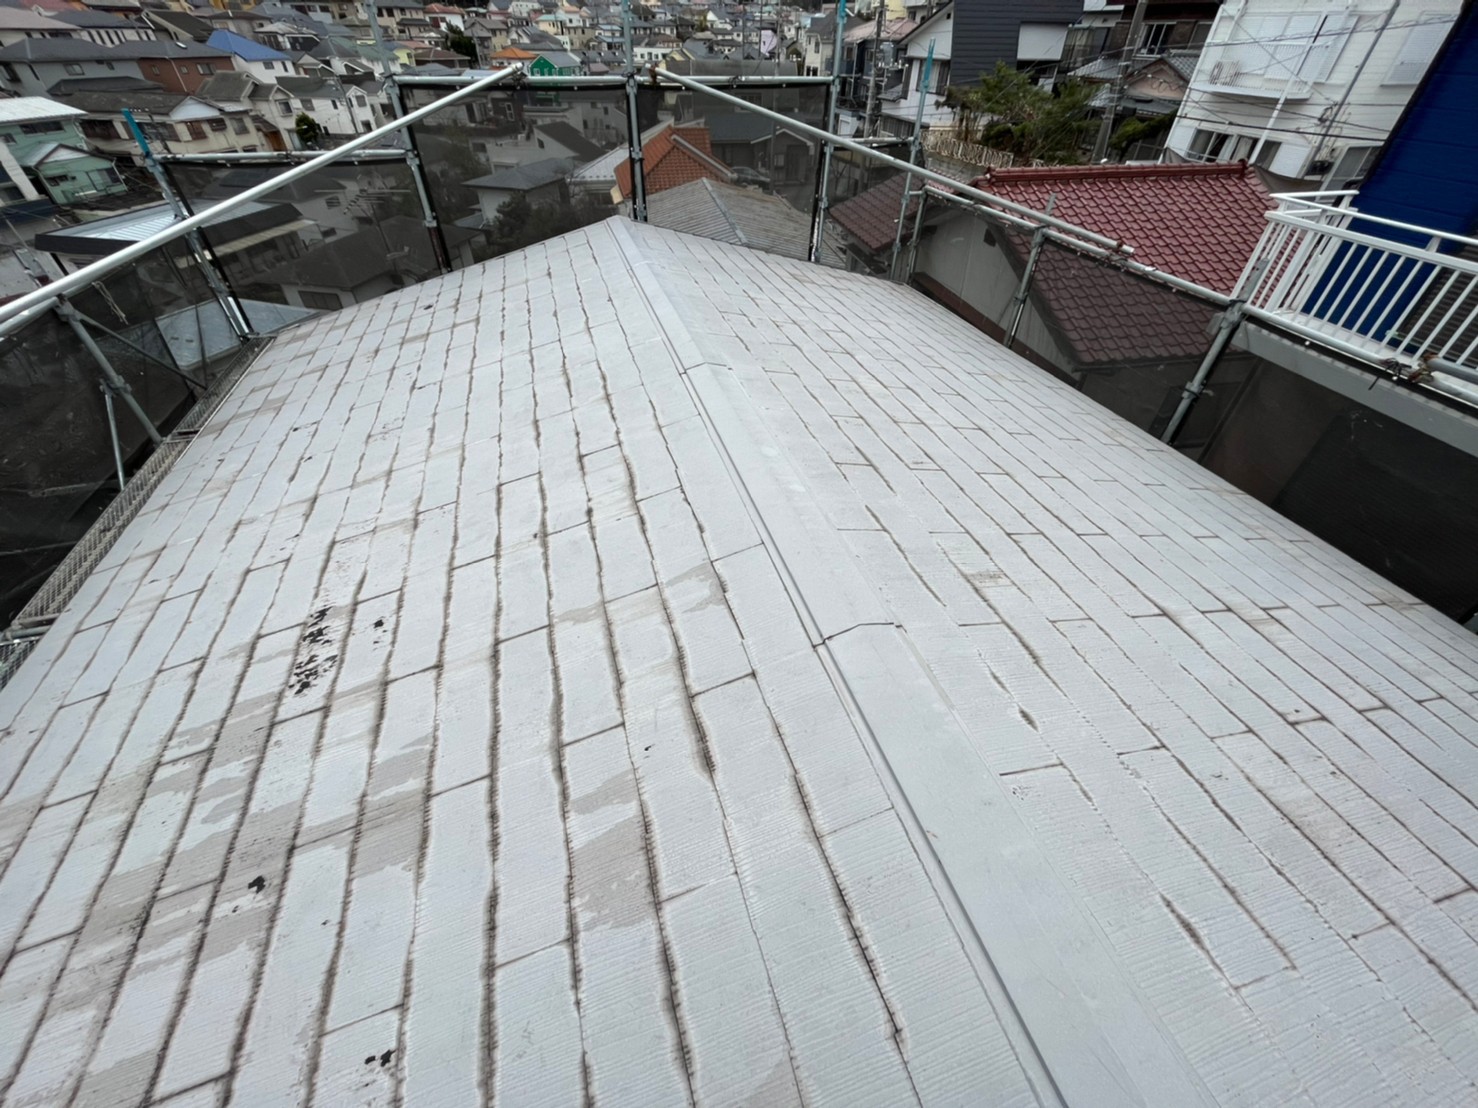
(673, 157)
(1198, 222)
(609, 673)
(522, 178)
(244, 48)
(25, 109)
(743, 216)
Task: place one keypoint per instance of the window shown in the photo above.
(307, 104)
(1155, 38)
(218, 125)
(73, 68)
(1206, 146)
(9, 139)
(206, 69)
(238, 126)
(1417, 52)
(333, 201)
(285, 108)
(197, 131)
(1268, 152)
(99, 129)
(1352, 166)
(322, 301)
(40, 128)
(154, 69)
(334, 104)
(159, 132)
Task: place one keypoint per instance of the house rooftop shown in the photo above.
(522, 178)
(1197, 222)
(99, 237)
(642, 670)
(743, 216)
(244, 48)
(28, 109)
(674, 157)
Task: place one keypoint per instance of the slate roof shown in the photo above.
(644, 671)
(86, 17)
(308, 86)
(1198, 222)
(230, 85)
(244, 48)
(743, 216)
(522, 178)
(741, 126)
(674, 157)
(153, 99)
(23, 19)
(78, 49)
(571, 139)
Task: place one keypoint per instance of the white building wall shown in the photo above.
(1315, 101)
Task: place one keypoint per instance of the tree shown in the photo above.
(1009, 112)
(1134, 130)
(457, 41)
(519, 223)
(309, 132)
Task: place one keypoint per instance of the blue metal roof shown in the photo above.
(244, 48)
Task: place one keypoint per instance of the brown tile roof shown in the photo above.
(675, 157)
(1199, 222)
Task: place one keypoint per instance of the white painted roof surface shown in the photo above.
(24, 109)
(866, 729)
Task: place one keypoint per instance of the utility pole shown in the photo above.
(869, 125)
(1126, 60)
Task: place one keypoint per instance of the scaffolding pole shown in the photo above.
(823, 171)
(112, 382)
(913, 159)
(633, 121)
(204, 257)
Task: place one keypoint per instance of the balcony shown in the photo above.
(1385, 290)
(655, 664)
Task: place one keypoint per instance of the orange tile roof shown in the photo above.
(677, 156)
(513, 53)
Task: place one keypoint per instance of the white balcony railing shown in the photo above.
(1394, 289)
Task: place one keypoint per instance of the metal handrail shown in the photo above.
(1390, 246)
(272, 157)
(988, 199)
(1309, 199)
(757, 80)
(25, 308)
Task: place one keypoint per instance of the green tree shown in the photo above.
(520, 223)
(1009, 112)
(309, 132)
(462, 44)
(1134, 130)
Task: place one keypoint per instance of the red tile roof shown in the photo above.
(677, 156)
(1199, 222)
